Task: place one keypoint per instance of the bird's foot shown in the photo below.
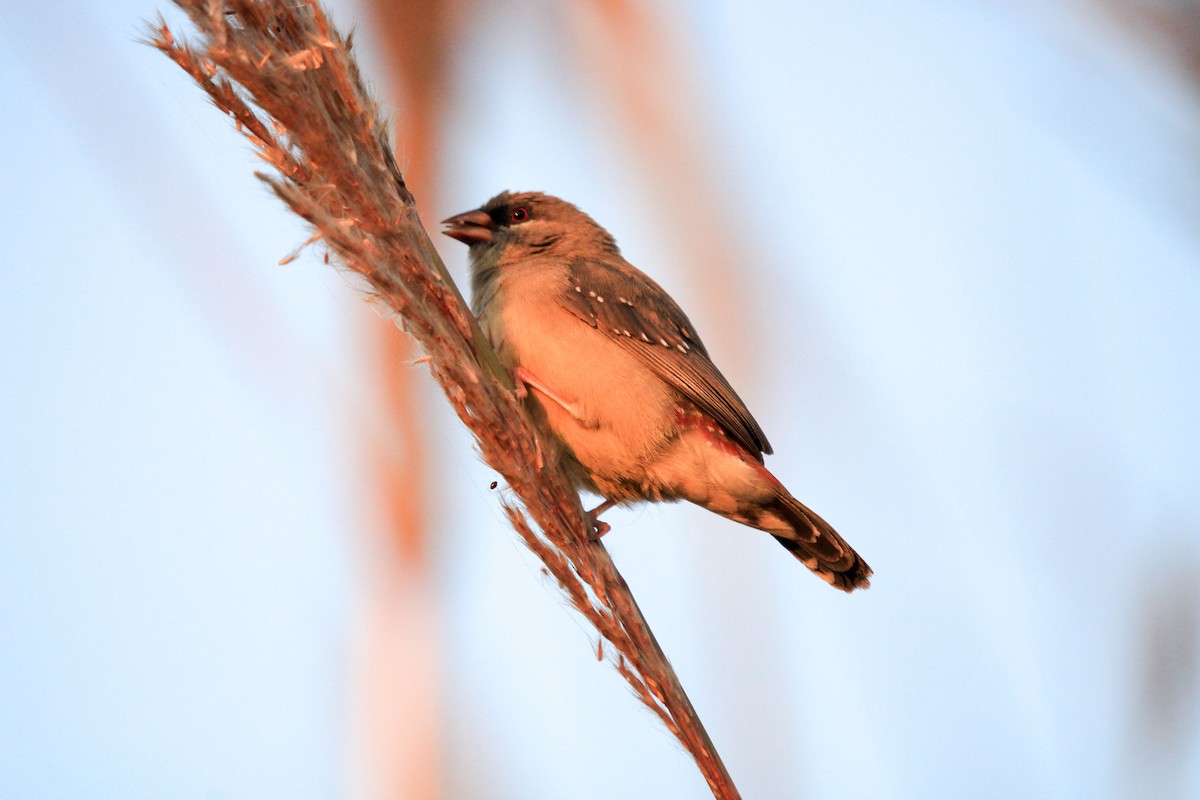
(599, 526)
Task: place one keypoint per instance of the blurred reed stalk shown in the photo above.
(288, 80)
(399, 692)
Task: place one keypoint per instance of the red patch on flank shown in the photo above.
(690, 418)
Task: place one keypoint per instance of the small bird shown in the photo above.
(611, 366)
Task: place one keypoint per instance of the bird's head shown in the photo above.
(514, 226)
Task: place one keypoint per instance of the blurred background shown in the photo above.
(948, 252)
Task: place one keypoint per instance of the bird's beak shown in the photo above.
(470, 227)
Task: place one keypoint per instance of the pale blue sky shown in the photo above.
(972, 243)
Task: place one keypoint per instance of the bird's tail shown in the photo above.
(801, 531)
(708, 469)
(816, 544)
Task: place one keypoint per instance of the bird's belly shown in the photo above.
(621, 413)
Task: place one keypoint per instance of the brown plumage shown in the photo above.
(618, 375)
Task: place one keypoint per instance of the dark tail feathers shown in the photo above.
(819, 547)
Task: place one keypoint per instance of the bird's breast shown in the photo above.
(622, 413)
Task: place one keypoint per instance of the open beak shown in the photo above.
(470, 227)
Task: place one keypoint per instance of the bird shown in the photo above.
(613, 370)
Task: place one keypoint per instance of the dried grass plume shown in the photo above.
(289, 82)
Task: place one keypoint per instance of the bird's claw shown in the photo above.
(599, 528)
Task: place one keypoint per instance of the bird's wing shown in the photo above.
(630, 308)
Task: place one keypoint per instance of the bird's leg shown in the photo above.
(537, 448)
(599, 525)
(526, 378)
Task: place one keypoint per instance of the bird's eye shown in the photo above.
(519, 214)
